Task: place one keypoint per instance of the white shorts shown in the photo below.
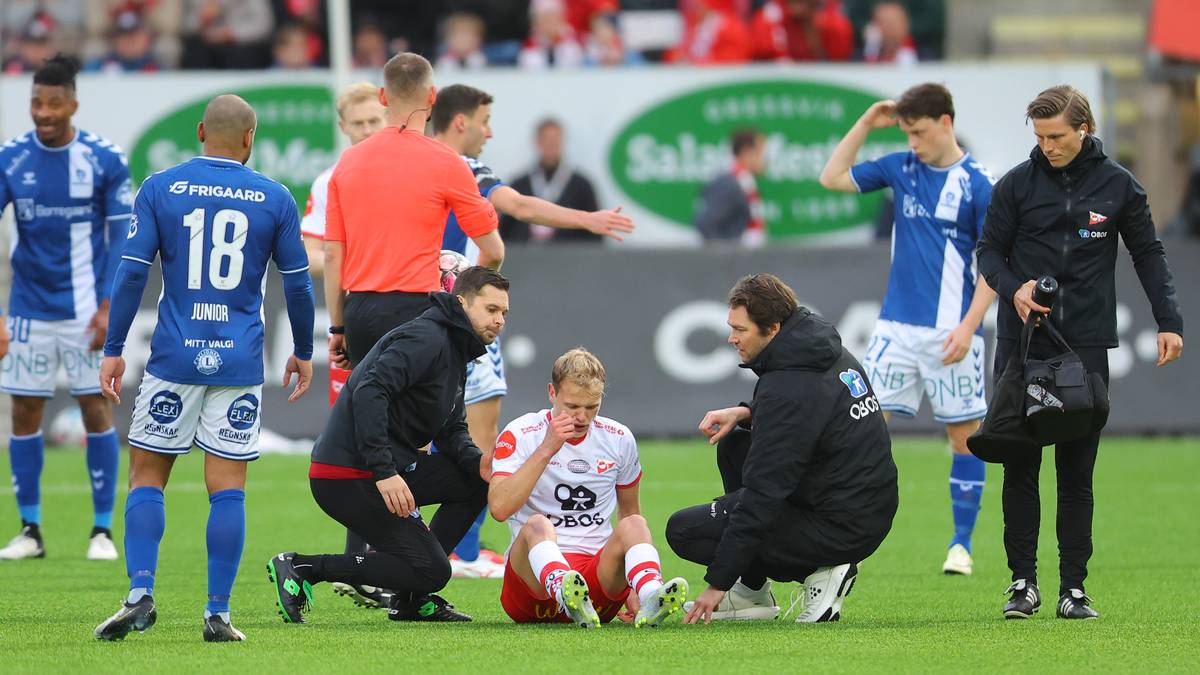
(169, 418)
(485, 376)
(903, 361)
(38, 348)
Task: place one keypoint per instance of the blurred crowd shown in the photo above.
(149, 35)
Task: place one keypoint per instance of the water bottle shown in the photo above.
(1045, 292)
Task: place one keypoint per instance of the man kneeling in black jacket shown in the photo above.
(807, 468)
(368, 472)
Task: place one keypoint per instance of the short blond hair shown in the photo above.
(579, 366)
(356, 93)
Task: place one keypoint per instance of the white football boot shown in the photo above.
(743, 603)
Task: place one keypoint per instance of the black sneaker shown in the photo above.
(217, 629)
(139, 616)
(370, 597)
(1025, 601)
(293, 593)
(424, 608)
(1073, 604)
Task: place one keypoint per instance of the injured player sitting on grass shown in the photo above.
(557, 474)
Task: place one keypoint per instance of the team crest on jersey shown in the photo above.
(24, 208)
(208, 361)
(854, 382)
(30, 178)
(1096, 218)
(605, 465)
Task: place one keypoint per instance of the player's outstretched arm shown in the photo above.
(507, 494)
(491, 249)
(609, 222)
(836, 174)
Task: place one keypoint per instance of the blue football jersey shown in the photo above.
(939, 214)
(67, 201)
(215, 224)
(454, 238)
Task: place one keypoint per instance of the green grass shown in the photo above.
(903, 616)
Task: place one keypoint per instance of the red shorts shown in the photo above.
(522, 607)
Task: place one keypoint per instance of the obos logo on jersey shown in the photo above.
(165, 407)
(208, 361)
(575, 498)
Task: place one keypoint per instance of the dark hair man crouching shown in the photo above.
(810, 485)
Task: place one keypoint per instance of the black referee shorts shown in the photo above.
(369, 316)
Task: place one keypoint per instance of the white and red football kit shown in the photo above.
(578, 493)
(312, 224)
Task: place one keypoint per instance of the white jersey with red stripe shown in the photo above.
(578, 489)
(312, 224)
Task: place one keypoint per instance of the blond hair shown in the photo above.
(356, 93)
(579, 366)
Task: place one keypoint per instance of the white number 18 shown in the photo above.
(225, 245)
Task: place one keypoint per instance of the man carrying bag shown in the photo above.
(1061, 212)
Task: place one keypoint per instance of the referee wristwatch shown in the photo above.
(337, 330)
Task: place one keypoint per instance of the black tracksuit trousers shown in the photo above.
(1074, 463)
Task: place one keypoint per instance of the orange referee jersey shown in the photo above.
(388, 201)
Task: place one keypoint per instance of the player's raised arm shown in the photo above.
(292, 261)
(608, 222)
(836, 174)
(509, 490)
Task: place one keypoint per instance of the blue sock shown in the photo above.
(26, 454)
(145, 521)
(966, 491)
(226, 536)
(468, 548)
(103, 454)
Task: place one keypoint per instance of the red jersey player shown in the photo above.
(557, 476)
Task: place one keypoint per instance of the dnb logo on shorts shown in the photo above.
(243, 412)
(165, 407)
(854, 382)
(208, 361)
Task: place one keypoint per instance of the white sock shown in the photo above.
(224, 615)
(643, 571)
(548, 564)
(136, 594)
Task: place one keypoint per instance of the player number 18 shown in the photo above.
(226, 245)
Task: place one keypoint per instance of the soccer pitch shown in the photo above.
(903, 615)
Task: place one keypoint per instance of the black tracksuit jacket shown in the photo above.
(818, 443)
(1064, 222)
(406, 392)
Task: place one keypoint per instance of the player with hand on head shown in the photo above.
(462, 120)
(72, 197)
(557, 474)
(928, 339)
(215, 224)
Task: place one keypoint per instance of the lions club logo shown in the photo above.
(208, 361)
(854, 382)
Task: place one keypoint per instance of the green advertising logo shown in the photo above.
(294, 141)
(663, 157)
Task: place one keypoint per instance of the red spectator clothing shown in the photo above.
(718, 37)
(777, 36)
(905, 54)
(581, 12)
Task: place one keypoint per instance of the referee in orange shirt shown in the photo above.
(388, 201)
